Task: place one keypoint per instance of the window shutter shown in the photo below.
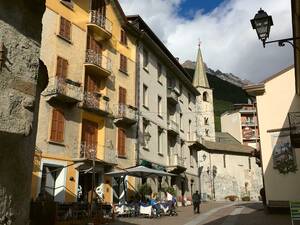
(57, 127)
(122, 95)
(123, 63)
(123, 37)
(121, 142)
(65, 28)
(62, 67)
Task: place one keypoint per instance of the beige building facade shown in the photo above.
(278, 106)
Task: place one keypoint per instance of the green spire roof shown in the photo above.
(200, 78)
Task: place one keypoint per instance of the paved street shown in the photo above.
(216, 214)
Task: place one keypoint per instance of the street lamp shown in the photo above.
(262, 23)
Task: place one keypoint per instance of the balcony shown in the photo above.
(100, 26)
(193, 140)
(177, 164)
(126, 115)
(87, 151)
(95, 103)
(249, 124)
(98, 64)
(172, 96)
(110, 155)
(173, 127)
(294, 121)
(63, 90)
(248, 111)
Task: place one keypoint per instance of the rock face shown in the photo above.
(21, 82)
(229, 77)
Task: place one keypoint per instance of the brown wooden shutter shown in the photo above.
(62, 67)
(123, 37)
(122, 95)
(121, 142)
(89, 133)
(92, 84)
(65, 28)
(123, 63)
(57, 126)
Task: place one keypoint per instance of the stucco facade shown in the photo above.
(242, 123)
(278, 94)
(88, 96)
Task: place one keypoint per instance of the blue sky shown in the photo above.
(188, 7)
(228, 42)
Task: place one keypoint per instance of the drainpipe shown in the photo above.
(137, 98)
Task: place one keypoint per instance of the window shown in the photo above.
(145, 125)
(123, 37)
(92, 84)
(61, 67)
(145, 58)
(121, 142)
(123, 63)
(249, 162)
(68, 3)
(145, 96)
(57, 126)
(205, 96)
(180, 122)
(206, 120)
(159, 72)
(191, 158)
(122, 96)
(190, 130)
(224, 160)
(65, 28)
(89, 138)
(160, 140)
(159, 106)
(180, 89)
(189, 100)
(122, 101)
(207, 132)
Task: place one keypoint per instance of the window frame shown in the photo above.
(65, 31)
(55, 138)
(145, 58)
(123, 64)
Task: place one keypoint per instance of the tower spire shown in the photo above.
(200, 78)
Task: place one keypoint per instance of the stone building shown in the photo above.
(87, 111)
(228, 168)
(22, 78)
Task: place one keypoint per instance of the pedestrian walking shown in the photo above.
(196, 202)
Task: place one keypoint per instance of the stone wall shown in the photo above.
(21, 82)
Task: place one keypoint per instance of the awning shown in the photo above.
(140, 171)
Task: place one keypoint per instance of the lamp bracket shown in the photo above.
(282, 42)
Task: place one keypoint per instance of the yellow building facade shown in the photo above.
(88, 109)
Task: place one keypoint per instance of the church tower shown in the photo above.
(205, 108)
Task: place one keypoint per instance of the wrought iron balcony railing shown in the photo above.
(96, 103)
(126, 113)
(100, 20)
(88, 151)
(98, 59)
(64, 89)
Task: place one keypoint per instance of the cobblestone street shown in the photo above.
(216, 214)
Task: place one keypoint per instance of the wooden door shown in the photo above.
(122, 101)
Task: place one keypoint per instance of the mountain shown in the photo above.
(229, 77)
(225, 95)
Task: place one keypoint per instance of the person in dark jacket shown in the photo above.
(196, 198)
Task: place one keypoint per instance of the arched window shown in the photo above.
(205, 96)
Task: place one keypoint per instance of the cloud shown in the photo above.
(228, 41)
